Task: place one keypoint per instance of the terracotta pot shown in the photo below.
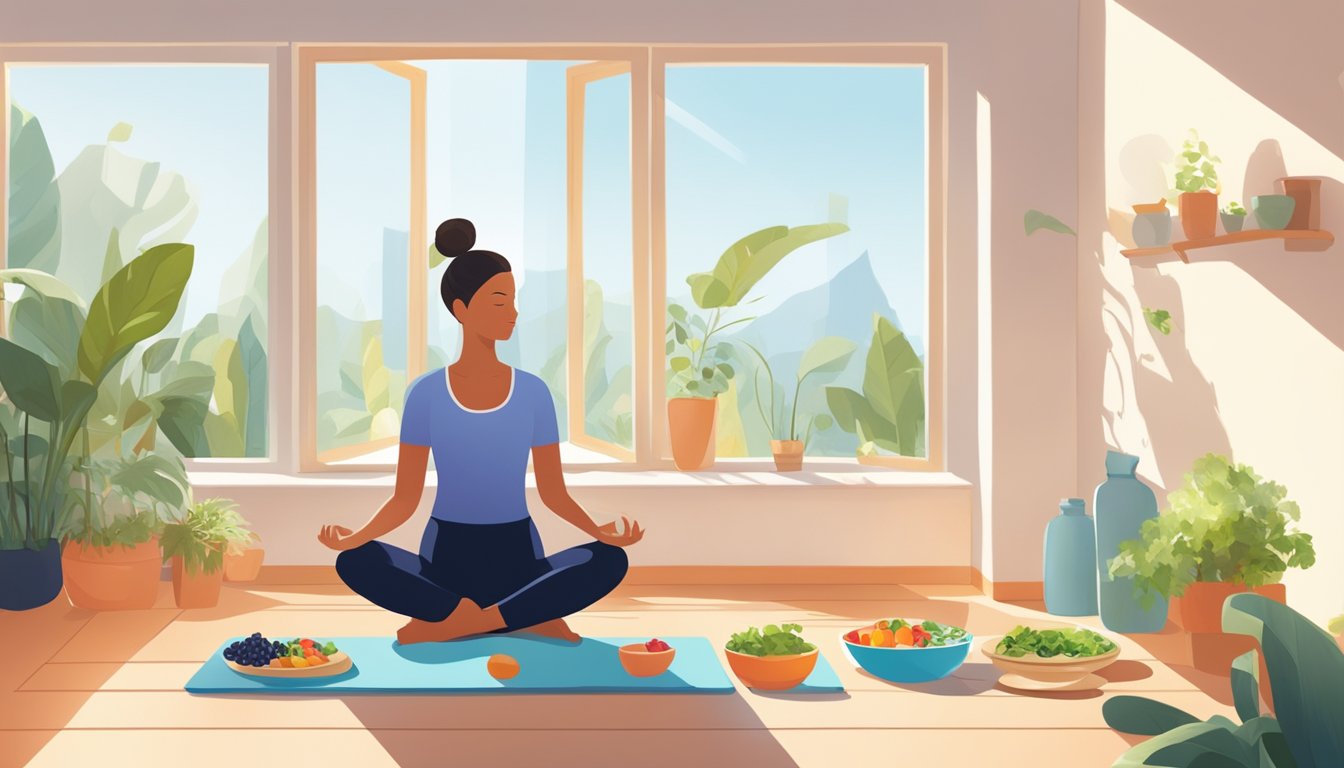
(772, 673)
(1306, 194)
(691, 422)
(197, 589)
(1199, 214)
(112, 578)
(788, 454)
(1200, 609)
(244, 565)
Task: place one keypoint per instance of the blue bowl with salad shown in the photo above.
(907, 650)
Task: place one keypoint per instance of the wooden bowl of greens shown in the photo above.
(1062, 658)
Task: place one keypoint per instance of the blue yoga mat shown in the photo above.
(381, 665)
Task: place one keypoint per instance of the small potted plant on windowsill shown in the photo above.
(242, 561)
(1233, 216)
(827, 355)
(703, 369)
(1226, 531)
(196, 545)
(1197, 182)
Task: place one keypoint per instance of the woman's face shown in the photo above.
(491, 313)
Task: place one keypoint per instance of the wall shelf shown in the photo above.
(1289, 236)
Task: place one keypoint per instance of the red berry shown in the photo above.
(853, 637)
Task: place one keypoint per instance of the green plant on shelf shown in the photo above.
(1224, 524)
(1306, 675)
(208, 530)
(1196, 169)
(1234, 208)
(827, 355)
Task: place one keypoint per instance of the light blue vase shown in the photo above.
(1071, 562)
(1122, 503)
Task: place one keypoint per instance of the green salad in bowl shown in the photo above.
(1047, 643)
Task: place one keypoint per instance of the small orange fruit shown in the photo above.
(502, 667)
(905, 636)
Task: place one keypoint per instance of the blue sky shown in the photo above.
(206, 122)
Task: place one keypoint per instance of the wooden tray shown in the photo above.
(337, 663)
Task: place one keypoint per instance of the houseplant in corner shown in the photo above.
(827, 355)
(196, 545)
(111, 558)
(1226, 531)
(703, 369)
(1197, 181)
(136, 303)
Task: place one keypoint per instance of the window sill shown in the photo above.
(727, 474)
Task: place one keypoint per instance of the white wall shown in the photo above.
(1254, 367)
(1020, 57)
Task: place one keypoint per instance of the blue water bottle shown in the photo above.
(1122, 504)
(1071, 562)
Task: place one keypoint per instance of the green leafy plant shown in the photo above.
(1196, 169)
(201, 538)
(1160, 319)
(1233, 208)
(1034, 220)
(135, 304)
(773, 640)
(890, 411)
(829, 354)
(1047, 643)
(704, 368)
(129, 500)
(1223, 524)
(1306, 671)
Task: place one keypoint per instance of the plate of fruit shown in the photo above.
(301, 657)
(907, 650)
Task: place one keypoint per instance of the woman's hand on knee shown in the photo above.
(613, 535)
(338, 537)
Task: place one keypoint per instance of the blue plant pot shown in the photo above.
(1070, 566)
(1273, 211)
(30, 578)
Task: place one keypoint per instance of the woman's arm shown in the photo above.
(411, 463)
(551, 487)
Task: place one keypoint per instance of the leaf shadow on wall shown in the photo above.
(1306, 281)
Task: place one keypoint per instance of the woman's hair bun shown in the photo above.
(454, 237)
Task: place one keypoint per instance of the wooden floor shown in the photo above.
(84, 688)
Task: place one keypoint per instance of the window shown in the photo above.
(750, 147)
(105, 160)
(604, 208)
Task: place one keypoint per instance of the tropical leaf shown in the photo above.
(1246, 685)
(1034, 220)
(135, 304)
(750, 259)
(252, 354)
(189, 379)
(829, 354)
(230, 393)
(31, 383)
(34, 232)
(155, 476)
(1143, 717)
(854, 414)
(120, 132)
(50, 327)
(435, 258)
(347, 422)
(43, 283)
(377, 390)
(893, 383)
(183, 423)
(1160, 319)
(223, 434)
(158, 354)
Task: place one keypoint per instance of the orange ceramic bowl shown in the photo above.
(640, 662)
(772, 673)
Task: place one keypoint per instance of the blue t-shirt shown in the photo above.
(480, 456)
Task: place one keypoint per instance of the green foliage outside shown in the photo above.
(889, 413)
(607, 407)
(1224, 524)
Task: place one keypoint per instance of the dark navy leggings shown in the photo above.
(496, 564)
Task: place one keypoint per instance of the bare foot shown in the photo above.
(467, 619)
(556, 628)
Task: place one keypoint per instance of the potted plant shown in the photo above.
(775, 658)
(1197, 181)
(111, 558)
(1233, 216)
(242, 561)
(136, 303)
(827, 355)
(195, 547)
(1226, 531)
(703, 369)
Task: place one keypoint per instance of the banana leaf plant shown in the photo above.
(889, 413)
(829, 354)
(136, 303)
(704, 367)
(1306, 669)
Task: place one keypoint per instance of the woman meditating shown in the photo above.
(481, 567)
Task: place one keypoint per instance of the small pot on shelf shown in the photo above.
(690, 425)
(1199, 214)
(1232, 222)
(1306, 194)
(788, 454)
(1273, 211)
